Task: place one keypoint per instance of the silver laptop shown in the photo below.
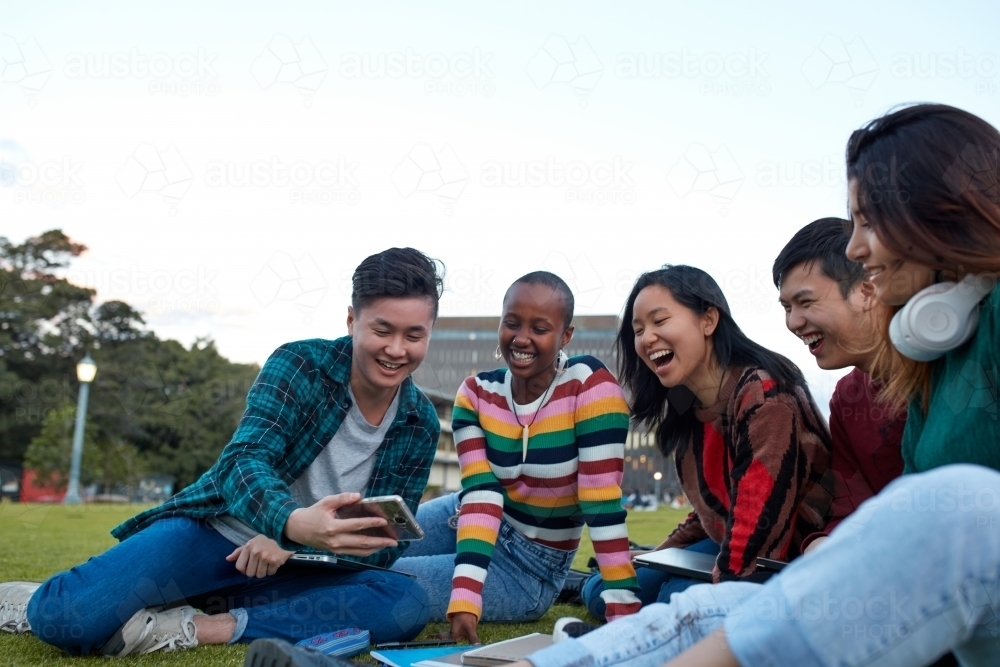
(335, 563)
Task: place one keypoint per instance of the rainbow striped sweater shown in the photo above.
(571, 477)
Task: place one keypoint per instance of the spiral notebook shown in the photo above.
(510, 650)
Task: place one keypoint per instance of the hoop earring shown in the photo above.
(561, 361)
(497, 355)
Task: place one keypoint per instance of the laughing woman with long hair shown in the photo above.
(750, 445)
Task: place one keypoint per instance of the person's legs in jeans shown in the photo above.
(434, 574)
(78, 610)
(301, 601)
(522, 578)
(178, 560)
(657, 633)
(912, 574)
(435, 518)
(677, 583)
(654, 585)
(432, 559)
(650, 581)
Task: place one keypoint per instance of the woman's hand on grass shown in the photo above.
(260, 557)
(463, 626)
(318, 526)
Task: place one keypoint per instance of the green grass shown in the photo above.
(41, 540)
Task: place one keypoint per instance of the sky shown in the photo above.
(229, 165)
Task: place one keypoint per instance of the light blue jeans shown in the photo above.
(523, 578)
(911, 575)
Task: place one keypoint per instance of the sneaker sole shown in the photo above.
(268, 653)
(115, 645)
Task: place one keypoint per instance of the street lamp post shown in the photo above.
(657, 476)
(85, 372)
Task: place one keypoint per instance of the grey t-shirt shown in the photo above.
(343, 466)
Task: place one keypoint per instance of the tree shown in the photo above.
(104, 462)
(43, 330)
(110, 464)
(50, 452)
(154, 403)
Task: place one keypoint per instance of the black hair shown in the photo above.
(556, 283)
(399, 273)
(822, 242)
(668, 410)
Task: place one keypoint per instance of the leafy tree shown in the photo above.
(50, 452)
(103, 462)
(154, 404)
(112, 464)
(43, 328)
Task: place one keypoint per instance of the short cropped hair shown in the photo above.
(556, 283)
(397, 273)
(823, 242)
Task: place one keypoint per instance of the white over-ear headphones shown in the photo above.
(939, 318)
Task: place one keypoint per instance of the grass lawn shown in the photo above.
(40, 540)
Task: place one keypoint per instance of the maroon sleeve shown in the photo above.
(850, 488)
(867, 437)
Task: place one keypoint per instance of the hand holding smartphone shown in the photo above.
(401, 524)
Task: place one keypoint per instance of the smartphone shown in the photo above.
(402, 526)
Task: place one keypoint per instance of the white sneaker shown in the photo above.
(568, 627)
(150, 630)
(14, 597)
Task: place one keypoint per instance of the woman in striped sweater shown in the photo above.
(752, 449)
(541, 447)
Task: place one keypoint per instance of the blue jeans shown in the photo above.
(912, 574)
(654, 585)
(183, 561)
(522, 581)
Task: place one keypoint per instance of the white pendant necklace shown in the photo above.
(524, 427)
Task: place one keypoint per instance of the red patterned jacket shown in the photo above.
(758, 478)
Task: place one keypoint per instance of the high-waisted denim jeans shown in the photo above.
(523, 578)
(183, 561)
(912, 574)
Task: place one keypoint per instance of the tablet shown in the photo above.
(679, 561)
(697, 566)
(770, 564)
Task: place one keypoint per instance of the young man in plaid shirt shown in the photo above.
(327, 422)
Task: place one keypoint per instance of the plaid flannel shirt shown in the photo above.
(295, 406)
